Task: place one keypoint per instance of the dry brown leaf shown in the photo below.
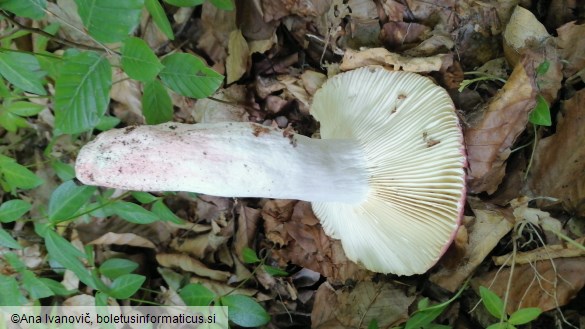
(277, 9)
(357, 307)
(128, 239)
(397, 35)
(216, 25)
(190, 264)
(380, 56)
(484, 232)
(542, 253)
(571, 45)
(522, 31)
(247, 229)
(209, 111)
(559, 160)
(490, 137)
(238, 59)
(546, 284)
(126, 92)
(293, 226)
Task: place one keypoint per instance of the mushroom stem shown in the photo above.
(226, 159)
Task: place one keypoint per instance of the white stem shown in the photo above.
(226, 159)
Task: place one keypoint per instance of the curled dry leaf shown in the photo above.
(379, 56)
(559, 160)
(572, 47)
(522, 31)
(192, 265)
(357, 307)
(292, 225)
(490, 137)
(546, 284)
(127, 239)
(484, 231)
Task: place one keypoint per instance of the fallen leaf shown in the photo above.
(380, 56)
(192, 265)
(247, 229)
(238, 58)
(522, 31)
(546, 284)
(357, 307)
(128, 239)
(559, 160)
(572, 47)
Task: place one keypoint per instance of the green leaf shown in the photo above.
(164, 213)
(57, 288)
(543, 68)
(41, 42)
(116, 267)
(106, 123)
(499, 325)
(82, 92)
(157, 105)
(223, 4)
(189, 76)
(373, 324)
(101, 299)
(420, 319)
(126, 285)
(274, 271)
(35, 287)
(64, 171)
(25, 109)
(139, 61)
(14, 261)
(541, 113)
(132, 212)
(245, 311)
(195, 294)
(492, 302)
(23, 71)
(423, 304)
(18, 176)
(184, 3)
(11, 295)
(67, 199)
(249, 256)
(34, 9)
(160, 18)
(524, 315)
(68, 256)
(109, 21)
(7, 240)
(12, 210)
(144, 197)
(12, 122)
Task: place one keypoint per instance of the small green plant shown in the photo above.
(480, 76)
(495, 306)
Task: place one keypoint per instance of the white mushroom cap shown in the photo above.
(413, 144)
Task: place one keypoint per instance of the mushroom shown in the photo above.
(387, 178)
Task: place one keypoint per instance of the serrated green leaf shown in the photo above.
(223, 4)
(195, 294)
(159, 17)
(274, 271)
(164, 213)
(524, 315)
(189, 76)
(12, 210)
(249, 256)
(18, 176)
(184, 3)
(11, 295)
(106, 123)
(139, 61)
(23, 71)
(116, 267)
(82, 92)
(24, 109)
(109, 21)
(35, 287)
(7, 240)
(67, 199)
(157, 105)
(541, 113)
(68, 256)
(126, 285)
(245, 311)
(34, 9)
(132, 212)
(492, 302)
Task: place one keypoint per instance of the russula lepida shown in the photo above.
(386, 178)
